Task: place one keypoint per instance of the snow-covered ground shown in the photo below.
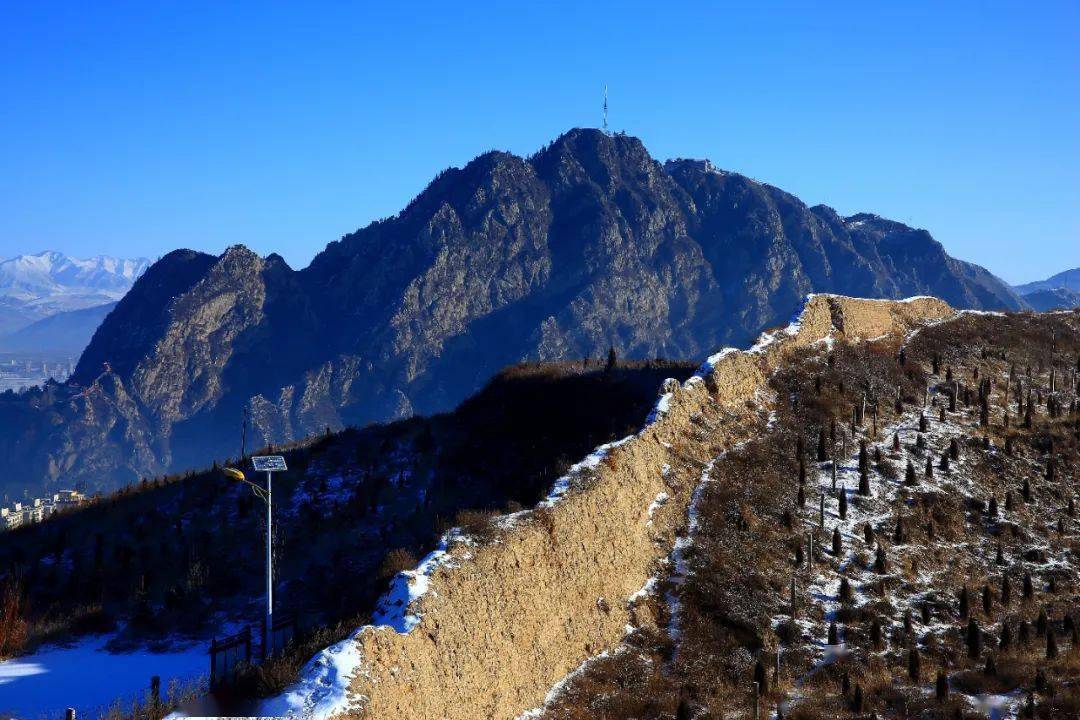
(90, 679)
(323, 688)
(822, 588)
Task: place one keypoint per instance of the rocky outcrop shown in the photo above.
(503, 621)
(587, 245)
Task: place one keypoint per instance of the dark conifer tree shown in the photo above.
(1023, 634)
(993, 507)
(842, 498)
(1006, 588)
(834, 635)
(896, 442)
(1051, 645)
(880, 564)
(924, 424)
(1029, 588)
(612, 359)
(857, 700)
(846, 594)
(837, 542)
(1041, 622)
(990, 668)
(822, 455)
(974, 639)
(963, 603)
(929, 468)
(909, 474)
(914, 664)
(1006, 635)
(868, 533)
(941, 687)
(987, 599)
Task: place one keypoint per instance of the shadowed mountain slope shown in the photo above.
(589, 244)
(1069, 279)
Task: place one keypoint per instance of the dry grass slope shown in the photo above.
(945, 591)
(561, 585)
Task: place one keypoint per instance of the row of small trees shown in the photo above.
(826, 450)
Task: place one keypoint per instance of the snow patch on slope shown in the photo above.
(323, 689)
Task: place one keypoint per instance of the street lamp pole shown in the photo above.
(268, 464)
(269, 563)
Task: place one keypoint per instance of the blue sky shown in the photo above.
(136, 128)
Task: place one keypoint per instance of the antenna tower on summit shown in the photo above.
(605, 109)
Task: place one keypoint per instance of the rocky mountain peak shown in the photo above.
(588, 244)
(128, 333)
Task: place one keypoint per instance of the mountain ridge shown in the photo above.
(1057, 292)
(590, 243)
(1069, 279)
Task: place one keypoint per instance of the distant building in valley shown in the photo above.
(38, 509)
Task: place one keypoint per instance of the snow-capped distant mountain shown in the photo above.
(35, 287)
(53, 281)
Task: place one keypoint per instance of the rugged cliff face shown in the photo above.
(588, 244)
(491, 626)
